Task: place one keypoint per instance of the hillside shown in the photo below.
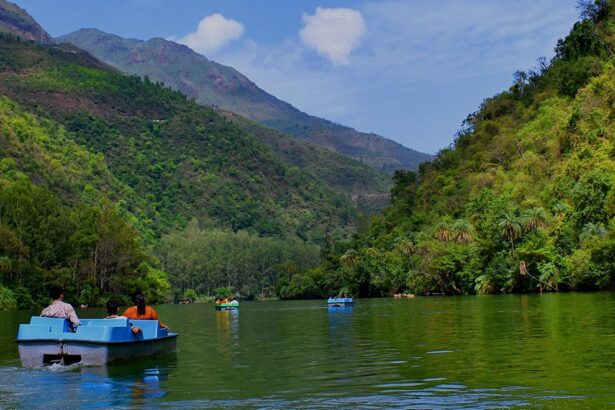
(524, 200)
(16, 21)
(367, 188)
(107, 178)
(213, 84)
(98, 152)
(184, 158)
(65, 219)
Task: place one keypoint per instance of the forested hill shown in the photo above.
(523, 200)
(86, 153)
(367, 188)
(213, 84)
(111, 183)
(222, 87)
(185, 160)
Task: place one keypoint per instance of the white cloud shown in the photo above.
(333, 33)
(462, 38)
(420, 70)
(213, 33)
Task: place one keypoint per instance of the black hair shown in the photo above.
(139, 300)
(55, 292)
(112, 307)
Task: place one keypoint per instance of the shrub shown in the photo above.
(7, 299)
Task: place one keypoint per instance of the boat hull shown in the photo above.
(340, 302)
(47, 340)
(41, 352)
(220, 307)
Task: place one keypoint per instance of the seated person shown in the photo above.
(140, 311)
(112, 309)
(59, 308)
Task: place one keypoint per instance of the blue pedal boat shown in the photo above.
(340, 302)
(47, 340)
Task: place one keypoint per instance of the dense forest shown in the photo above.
(522, 201)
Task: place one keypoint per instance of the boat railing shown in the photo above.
(101, 330)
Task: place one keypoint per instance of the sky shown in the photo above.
(408, 70)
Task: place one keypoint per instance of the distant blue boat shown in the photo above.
(340, 302)
(47, 340)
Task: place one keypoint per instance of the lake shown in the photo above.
(551, 350)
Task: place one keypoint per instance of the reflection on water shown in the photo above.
(77, 386)
(460, 352)
(340, 324)
(227, 321)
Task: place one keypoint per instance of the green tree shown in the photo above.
(510, 228)
(349, 258)
(404, 246)
(534, 219)
(592, 230)
(444, 232)
(463, 231)
(191, 295)
(7, 299)
(223, 292)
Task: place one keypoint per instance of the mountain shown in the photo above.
(367, 188)
(186, 160)
(105, 178)
(16, 21)
(523, 201)
(213, 84)
(88, 154)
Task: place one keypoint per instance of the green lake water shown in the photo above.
(544, 351)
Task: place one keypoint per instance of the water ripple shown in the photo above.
(440, 353)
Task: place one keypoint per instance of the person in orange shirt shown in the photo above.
(140, 311)
(112, 309)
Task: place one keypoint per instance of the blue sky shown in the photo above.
(406, 69)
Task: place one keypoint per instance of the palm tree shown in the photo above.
(534, 219)
(443, 232)
(463, 231)
(404, 246)
(511, 228)
(349, 258)
(590, 229)
(560, 209)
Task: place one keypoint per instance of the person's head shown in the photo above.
(112, 307)
(139, 301)
(56, 292)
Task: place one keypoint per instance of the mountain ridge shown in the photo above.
(214, 84)
(16, 21)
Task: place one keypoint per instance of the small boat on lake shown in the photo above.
(232, 305)
(340, 302)
(47, 340)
